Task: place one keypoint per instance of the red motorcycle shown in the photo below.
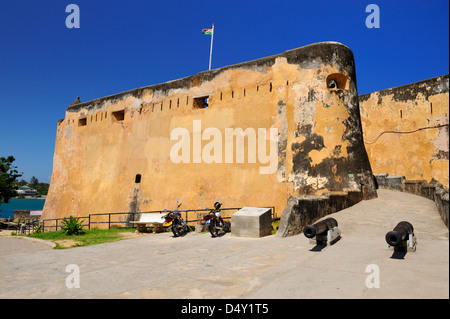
(175, 222)
(215, 223)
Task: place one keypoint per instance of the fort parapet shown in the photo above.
(406, 130)
(253, 134)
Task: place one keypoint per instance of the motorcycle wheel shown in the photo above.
(180, 230)
(212, 229)
(175, 231)
(217, 230)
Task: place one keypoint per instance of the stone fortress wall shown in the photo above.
(406, 130)
(281, 126)
(406, 135)
(287, 131)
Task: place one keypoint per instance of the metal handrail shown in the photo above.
(131, 225)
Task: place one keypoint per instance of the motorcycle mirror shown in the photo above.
(178, 200)
(218, 200)
(165, 210)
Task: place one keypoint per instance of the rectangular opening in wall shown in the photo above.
(201, 102)
(118, 115)
(82, 121)
(137, 180)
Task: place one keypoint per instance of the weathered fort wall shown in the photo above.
(281, 126)
(406, 130)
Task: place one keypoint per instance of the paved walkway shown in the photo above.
(198, 266)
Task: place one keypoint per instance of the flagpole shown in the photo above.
(210, 51)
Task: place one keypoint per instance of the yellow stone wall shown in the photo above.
(406, 130)
(319, 138)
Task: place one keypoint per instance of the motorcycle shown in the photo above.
(175, 222)
(215, 222)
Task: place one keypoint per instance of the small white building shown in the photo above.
(26, 191)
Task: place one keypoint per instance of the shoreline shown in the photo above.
(28, 203)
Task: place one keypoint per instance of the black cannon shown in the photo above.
(325, 232)
(400, 234)
(320, 227)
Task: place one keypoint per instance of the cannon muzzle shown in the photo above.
(400, 233)
(320, 227)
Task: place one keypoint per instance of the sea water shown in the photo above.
(7, 210)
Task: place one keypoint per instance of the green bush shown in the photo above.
(72, 226)
(37, 229)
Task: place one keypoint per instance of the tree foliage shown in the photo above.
(42, 188)
(8, 175)
(34, 182)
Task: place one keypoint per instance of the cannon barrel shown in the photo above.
(400, 233)
(320, 227)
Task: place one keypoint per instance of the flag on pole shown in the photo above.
(207, 31)
(210, 31)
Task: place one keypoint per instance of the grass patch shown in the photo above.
(275, 225)
(89, 237)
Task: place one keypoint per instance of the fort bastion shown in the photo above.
(252, 134)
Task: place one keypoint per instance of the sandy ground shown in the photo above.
(359, 266)
(6, 232)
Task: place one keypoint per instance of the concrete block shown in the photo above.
(395, 182)
(428, 191)
(414, 186)
(251, 222)
(199, 228)
(381, 179)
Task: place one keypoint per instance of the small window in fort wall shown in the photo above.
(118, 115)
(201, 102)
(337, 81)
(137, 180)
(82, 121)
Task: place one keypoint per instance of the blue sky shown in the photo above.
(122, 45)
